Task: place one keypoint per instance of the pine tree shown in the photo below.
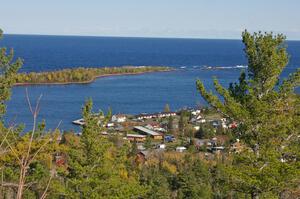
(97, 169)
(193, 179)
(267, 112)
(8, 71)
(170, 125)
(183, 123)
(167, 108)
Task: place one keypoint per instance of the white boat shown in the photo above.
(79, 122)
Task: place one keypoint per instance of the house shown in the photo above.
(156, 115)
(166, 114)
(151, 133)
(141, 157)
(180, 149)
(118, 118)
(195, 112)
(136, 137)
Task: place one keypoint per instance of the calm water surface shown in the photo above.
(124, 94)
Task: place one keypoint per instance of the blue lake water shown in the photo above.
(124, 94)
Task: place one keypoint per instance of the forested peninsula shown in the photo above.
(82, 75)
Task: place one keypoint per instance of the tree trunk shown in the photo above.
(21, 182)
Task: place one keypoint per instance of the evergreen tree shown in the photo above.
(97, 169)
(170, 125)
(8, 71)
(167, 108)
(267, 112)
(157, 183)
(183, 123)
(193, 179)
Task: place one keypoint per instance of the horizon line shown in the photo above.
(120, 36)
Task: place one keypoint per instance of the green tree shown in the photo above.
(8, 69)
(206, 131)
(157, 183)
(267, 112)
(193, 179)
(171, 125)
(97, 169)
(167, 108)
(183, 123)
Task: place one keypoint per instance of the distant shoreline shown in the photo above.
(165, 69)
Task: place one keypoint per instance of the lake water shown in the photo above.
(124, 94)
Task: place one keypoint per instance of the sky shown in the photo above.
(151, 18)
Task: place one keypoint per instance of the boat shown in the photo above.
(79, 122)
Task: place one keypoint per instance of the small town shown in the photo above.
(201, 130)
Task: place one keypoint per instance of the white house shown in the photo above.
(155, 115)
(196, 112)
(118, 118)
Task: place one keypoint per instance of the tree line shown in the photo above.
(81, 74)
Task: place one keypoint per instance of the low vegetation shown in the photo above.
(82, 75)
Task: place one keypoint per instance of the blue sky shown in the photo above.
(150, 18)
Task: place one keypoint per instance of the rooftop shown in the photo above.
(136, 135)
(148, 131)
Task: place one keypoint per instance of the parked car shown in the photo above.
(169, 138)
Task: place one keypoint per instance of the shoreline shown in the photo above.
(93, 79)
